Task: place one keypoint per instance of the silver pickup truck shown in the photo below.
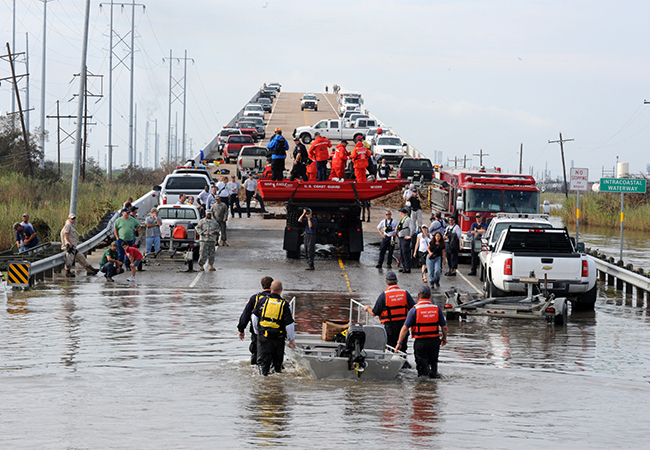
(251, 159)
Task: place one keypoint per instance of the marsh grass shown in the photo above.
(48, 205)
(604, 210)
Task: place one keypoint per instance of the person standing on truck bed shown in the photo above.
(391, 307)
(477, 230)
(278, 148)
(404, 233)
(386, 228)
(208, 230)
(301, 159)
(425, 320)
(309, 238)
(360, 156)
(220, 214)
(340, 157)
(319, 152)
(247, 314)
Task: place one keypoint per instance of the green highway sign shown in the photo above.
(626, 185)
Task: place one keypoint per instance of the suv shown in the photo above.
(172, 216)
(266, 103)
(254, 109)
(275, 86)
(201, 170)
(182, 183)
(389, 147)
(251, 160)
(502, 222)
(234, 145)
(416, 169)
(309, 101)
(223, 137)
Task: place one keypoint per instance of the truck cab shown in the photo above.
(334, 129)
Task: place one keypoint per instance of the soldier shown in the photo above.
(208, 230)
(220, 214)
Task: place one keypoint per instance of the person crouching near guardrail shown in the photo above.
(69, 241)
(110, 265)
(133, 259)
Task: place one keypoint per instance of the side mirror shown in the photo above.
(157, 188)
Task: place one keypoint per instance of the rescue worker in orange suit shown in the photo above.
(245, 317)
(319, 152)
(426, 322)
(268, 169)
(312, 170)
(391, 307)
(273, 322)
(360, 157)
(339, 159)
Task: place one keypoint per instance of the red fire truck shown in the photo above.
(465, 192)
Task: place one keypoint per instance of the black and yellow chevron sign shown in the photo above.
(18, 273)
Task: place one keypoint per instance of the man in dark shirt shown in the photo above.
(245, 317)
(309, 238)
(477, 230)
(301, 159)
(110, 263)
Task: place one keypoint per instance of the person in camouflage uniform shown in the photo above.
(208, 230)
(220, 213)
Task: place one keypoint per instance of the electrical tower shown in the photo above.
(175, 93)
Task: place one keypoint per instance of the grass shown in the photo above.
(604, 210)
(48, 205)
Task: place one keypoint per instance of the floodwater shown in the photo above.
(147, 367)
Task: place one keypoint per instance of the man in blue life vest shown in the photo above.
(273, 323)
(245, 317)
(426, 321)
(391, 307)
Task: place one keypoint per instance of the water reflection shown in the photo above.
(269, 411)
(424, 409)
(71, 325)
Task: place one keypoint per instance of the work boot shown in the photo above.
(90, 270)
(69, 274)
(378, 266)
(212, 269)
(200, 268)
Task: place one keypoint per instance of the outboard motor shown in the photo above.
(354, 343)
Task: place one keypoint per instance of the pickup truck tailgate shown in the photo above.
(556, 267)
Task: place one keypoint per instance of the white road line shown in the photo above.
(196, 280)
(328, 101)
(480, 291)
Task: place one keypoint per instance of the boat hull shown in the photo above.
(327, 191)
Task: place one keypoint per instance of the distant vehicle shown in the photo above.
(309, 101)
(347, 114)
(251, 160)
(223, 137)
(234, 145)
(266, 103)
(373, 133)
(174, 185)
(416, 169)
(350, 101)
(268, 92)
(201, 170)
(248, 128)
(275, 86)
(259, 123)
(356, 115)
(254, 109)
(334, 129)
(389, 147)
(173, 216)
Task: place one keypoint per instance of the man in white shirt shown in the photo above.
(222, 190)
(234, 188)
(251, 191)
(205, 200)
(386, 228)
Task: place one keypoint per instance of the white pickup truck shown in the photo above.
(547, 254)
(335, 129)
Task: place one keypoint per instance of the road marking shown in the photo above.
(480, 291)
(328, 101)
(196, 280)
(347, 280)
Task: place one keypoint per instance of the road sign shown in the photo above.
(625, 185)
(18, 274)
(579, 179)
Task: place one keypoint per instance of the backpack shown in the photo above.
(280, 148)
(454, 243)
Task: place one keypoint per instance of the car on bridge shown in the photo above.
(233, 146)
(266, 103)
(309, 101)
(253, 110)
(259, 123)
(334, 129)
(392, 148)
(275, 86)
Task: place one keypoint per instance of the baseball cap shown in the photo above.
(134, 208)
(390, 276)
(403, 210)
(25, 215)
(425, 292)
(72, 216)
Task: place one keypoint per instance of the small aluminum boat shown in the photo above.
(363, 356)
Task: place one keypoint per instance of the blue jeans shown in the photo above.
(434, 267)
(111, 269)
(121, 256)
(153, 241)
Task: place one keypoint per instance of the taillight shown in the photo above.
(507, 267)
(399, 174)
(164, 200)
(240, 163)
(585, 268)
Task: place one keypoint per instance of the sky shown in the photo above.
(455, 77)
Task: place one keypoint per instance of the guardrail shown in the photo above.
(623, 279)
(44, 267)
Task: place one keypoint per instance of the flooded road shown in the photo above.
(85, 364)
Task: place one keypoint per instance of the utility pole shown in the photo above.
(87, 94)
(175, 84)
(146, 144)
(20, 109)
(43, 80)
(480, 155)
(120, 40)
(521, 155)
(155, 151)
(13, 45)
(27, 87)
(135, 135)
(561, 142)
(82, 88)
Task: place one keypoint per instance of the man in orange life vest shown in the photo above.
(339, 158)
(319, 152)
(360, 157)
(392, 306)
(426, 321)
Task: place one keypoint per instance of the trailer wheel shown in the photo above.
(306, 138)
(586, 301)
(561, 312)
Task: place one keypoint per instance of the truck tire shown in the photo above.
(561, 311)
(481, 274)
(354, 256)
(293, 255)
(305, 138)
(586, 301)
(491, 290)
(316, 109)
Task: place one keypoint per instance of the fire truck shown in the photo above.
(466, 192)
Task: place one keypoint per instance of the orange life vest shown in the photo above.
(426, 320)
(395, 305)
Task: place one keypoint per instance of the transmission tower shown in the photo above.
(175, 93)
